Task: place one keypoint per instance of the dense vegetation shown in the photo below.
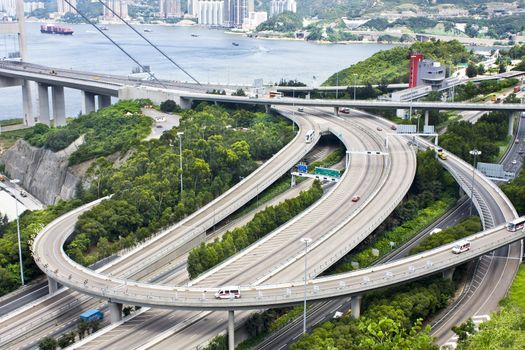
(208, 255)
(392, 320)
(515, 190)
(31, 222)
(113, 129)
(284, 22)
(462, 136)
(219, 148)
(465, 228)
(471, 90)
(391, 66)
(505, 329)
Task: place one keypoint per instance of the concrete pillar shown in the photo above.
(43, 104)
(293, 181)
(267, 108)
(231, 330)
(59, 105)
(52, 285)
(426, 118)
(88, 102)
(511, 123)
(447, 274)
(185, 103)
(103, 101)
(27, 103)
(436, 140)
(355, 304)
(115, 310)
(336, 110)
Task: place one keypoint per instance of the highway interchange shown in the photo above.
(196, 232)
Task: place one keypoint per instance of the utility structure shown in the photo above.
(17, 28)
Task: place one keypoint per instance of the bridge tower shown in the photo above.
(18, 28)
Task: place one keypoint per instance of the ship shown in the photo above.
(194, 35)
(54, 29)
(235, 44)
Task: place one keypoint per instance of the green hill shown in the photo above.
(391, 66)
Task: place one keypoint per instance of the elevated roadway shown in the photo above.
(201, 297)
(147, 257)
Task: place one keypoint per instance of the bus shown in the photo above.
(228, 293)
(461, 247)
(309, 136)
(516, 224)
(276, 94)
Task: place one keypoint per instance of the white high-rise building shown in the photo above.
(8, 7)
(211, 12)
(119, 6)
(254, 19)
(63, 7)
(170, 8)
(193, 8)
(235, 11)
(280, 6)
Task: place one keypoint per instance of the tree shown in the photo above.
(170, 106)
(48, 343)
(471, 30)
(239, 92)
(464, 330)
(472, 70)
(67, 339)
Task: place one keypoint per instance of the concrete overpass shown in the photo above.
(256, 296)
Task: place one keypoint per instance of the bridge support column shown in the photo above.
(511, 124)
(88, 102)
(115, 310)
(52, 285)
(426, 118)
(231, 330)
(447, 274)
(355, 304)
(336, 110)
(267, 108)
(43, 104)
(27, 103)
(103, 101)
(59, 105)
(293, 181)
(436, 140)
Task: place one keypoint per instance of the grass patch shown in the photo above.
(13, 121)
(517, 290)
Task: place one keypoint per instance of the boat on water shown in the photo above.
(147, 30)
(235, 44)
(103, 28)
(194, 35)
(54, 29)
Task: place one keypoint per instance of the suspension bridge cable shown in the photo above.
(114, 43)
(149, 42)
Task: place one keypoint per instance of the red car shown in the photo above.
(355, 198)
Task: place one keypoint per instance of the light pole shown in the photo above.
(15, 181)
(475, 152)
(306, 241)
(355, 83)
(179, 134)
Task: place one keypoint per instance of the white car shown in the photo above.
(514, 161)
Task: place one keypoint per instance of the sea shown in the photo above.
(209, 55)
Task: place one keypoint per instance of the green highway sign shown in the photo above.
(327, 172)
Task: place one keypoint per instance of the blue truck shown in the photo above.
(91, 315)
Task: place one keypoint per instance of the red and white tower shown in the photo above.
(415, 58)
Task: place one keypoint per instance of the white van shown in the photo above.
(228, 293)
(461, 247)
(309, 136)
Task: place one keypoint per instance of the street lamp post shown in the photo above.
(306, 241)
(475, 152)
(179, 134)
(355, 83)
(337, 86)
